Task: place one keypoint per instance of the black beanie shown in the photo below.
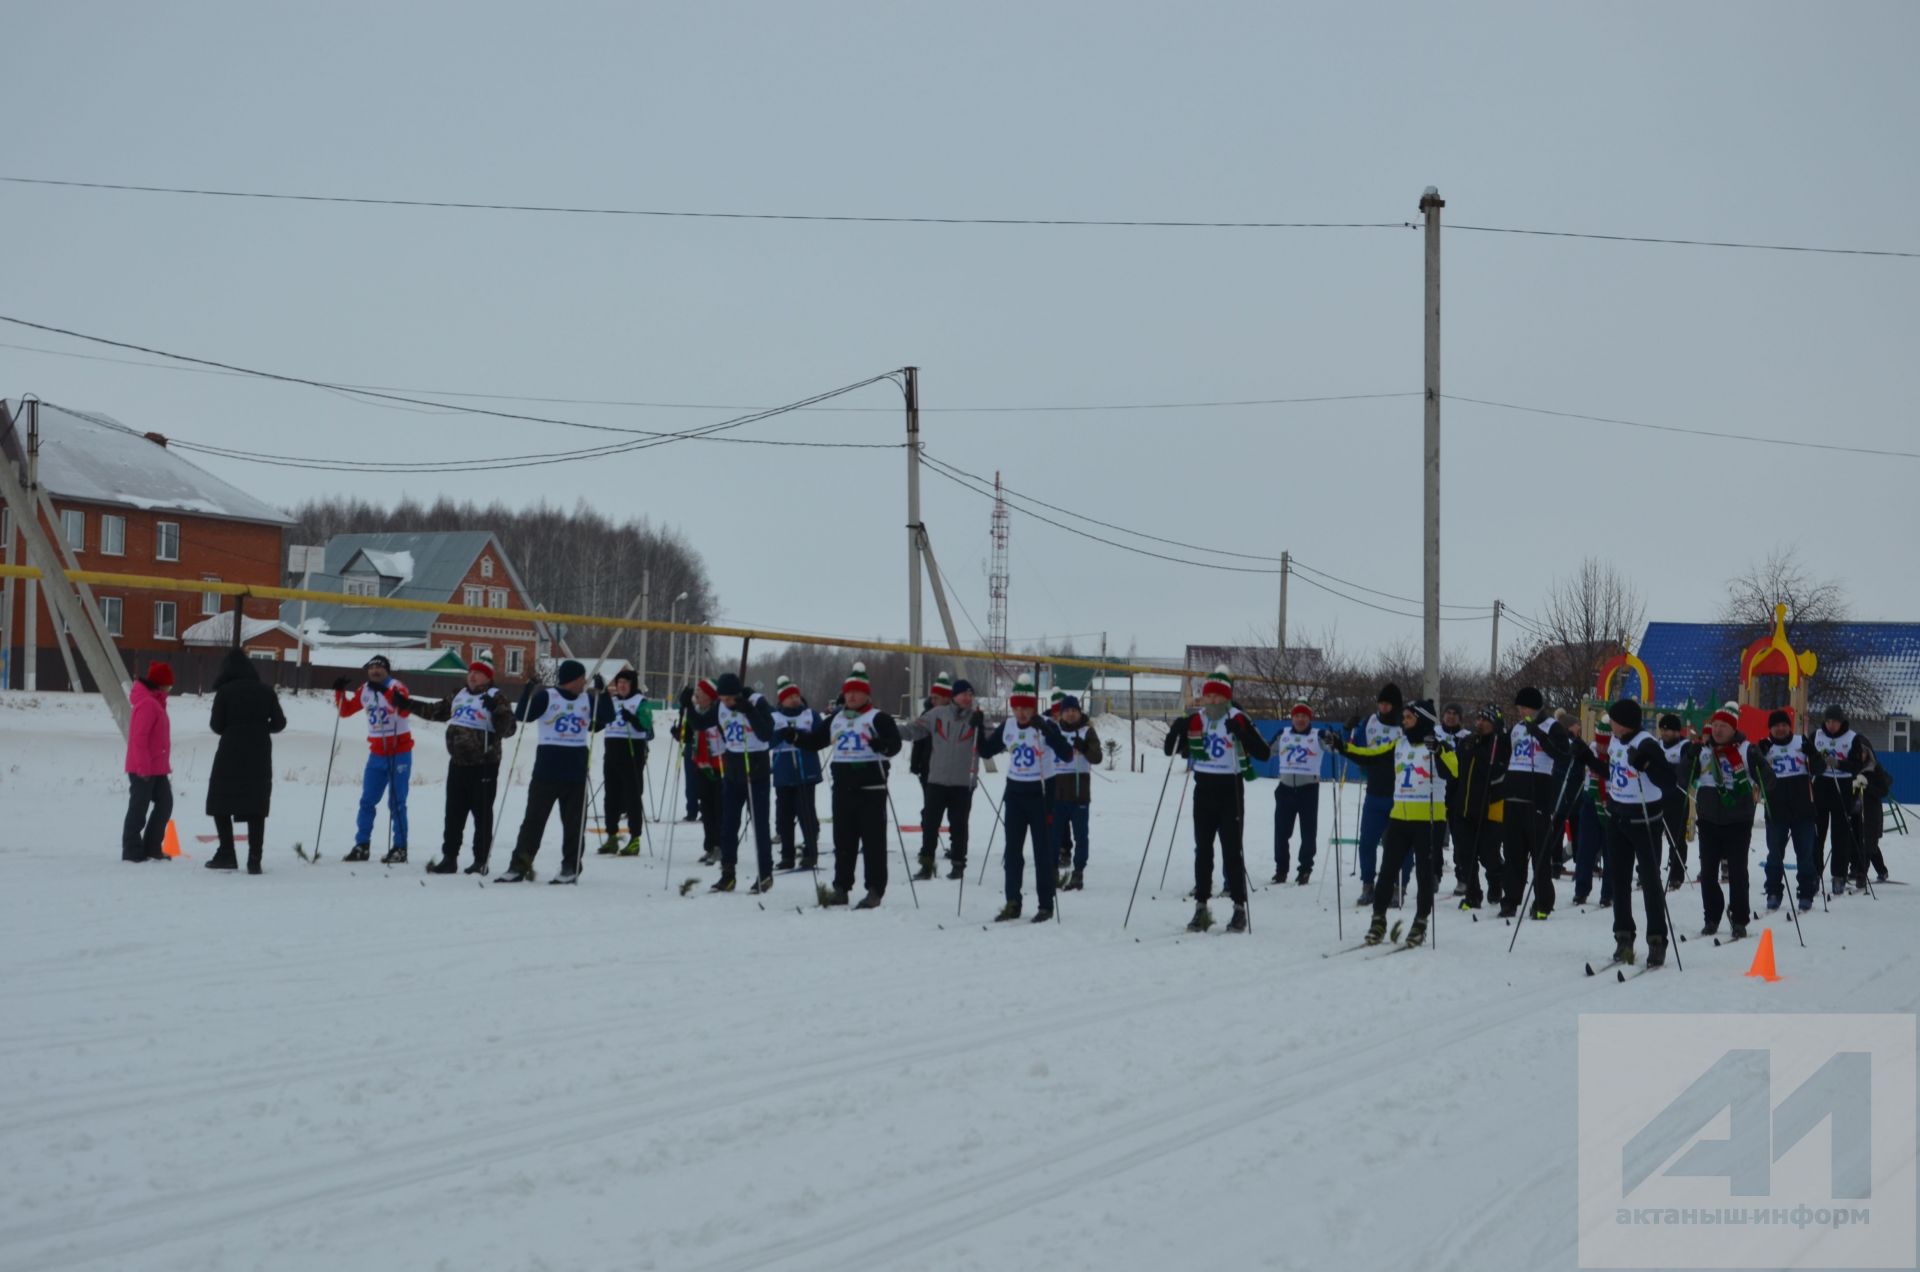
(1837, 713)
(1423, 720)
(1390, 693)
(570, 671)
(1627, 712)
(1672, 721)
(729, 685)
(1530, 699)
(1779, 717)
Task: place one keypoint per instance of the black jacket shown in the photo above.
(246, 715)
(1483, 773)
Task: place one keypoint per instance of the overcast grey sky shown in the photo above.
(1773, 123)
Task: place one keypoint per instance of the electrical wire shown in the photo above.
(1482, 610)
(1696, 432)
(470, 206)
(1680, 242)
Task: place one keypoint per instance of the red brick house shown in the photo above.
(125, 502)
(459, 567)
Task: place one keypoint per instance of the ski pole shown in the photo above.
(1173, 831)
(901, 837)
(1540, 854)
(1666, 912)
(327, 785)
(673, 761)
(500, 814)
(1339, 903)
(586, 789)
(1148, 846)
(1246, 885)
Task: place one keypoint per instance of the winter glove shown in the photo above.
(1353, 725)
(979, 721)
(1331, 740)
(342, 684)
(790, 735)
(599, 683)
(1860, 784)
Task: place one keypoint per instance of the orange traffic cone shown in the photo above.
(171, 845)
(1763, 958)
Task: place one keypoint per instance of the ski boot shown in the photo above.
(1656, 951)
(1508, 910)
(830, 897)
(632, 847)
(709, 858)
(1806, 905)
(786, 862)
(253, 860)
(479, 866)
(360, 853)
(869, 902)
(1773, 902)
(1416, 933)
(1739, 931)
(448, 864)
(762, 885)
(1623, 949)
(1238, 923)
(1279, 876)
(1377, 930)
(1366, 894)
(568, 874)
(223, 860)
(1470, 902)
(1711, 929)
(925, 872)
(516, 873)
(726, 883)
(1075, 882)
(1459, 889)
(1541, 916)
(958, 870)
(810, 860)
(1303, 876)
(1008, 912)
(610, 847)
(1044, 914)
(394, 857)
(1202, 918)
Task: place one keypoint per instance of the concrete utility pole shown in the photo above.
(1286, 565)
(1493, 668)
(646, 599)
(916, 667)
(1430, 205)
(30, 659)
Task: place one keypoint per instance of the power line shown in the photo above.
(1445, 618)
(738, 406)
(1126, 223)
(1683, 242)
(468, 206)
(1696, 432)
(1296, 562)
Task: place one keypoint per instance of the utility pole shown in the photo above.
(646, 599)
(1430, 205)
(30, 661)
(1103, 676)
(1493, 668)
(916, 666)
(1286, 566)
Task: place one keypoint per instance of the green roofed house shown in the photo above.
(452, 567)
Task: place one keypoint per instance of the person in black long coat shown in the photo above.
(246, 715)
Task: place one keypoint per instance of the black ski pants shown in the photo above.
(149, 806)
(471, 789)
(1527, 828)
(1295, 805)
(795, 804)
(1219, 812)
(1673, 815)
(747, 792)
(1426, 841)
(1729, 843)
(1833, 811)
(542, 795)
(860, 834)
(623, 777)
(1025, 810)
(1633, 835)
(1476, 845)
(955, 804)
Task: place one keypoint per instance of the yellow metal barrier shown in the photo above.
(142, 582)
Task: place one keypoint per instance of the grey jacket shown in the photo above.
(954, 734)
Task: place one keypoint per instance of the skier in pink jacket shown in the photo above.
(149, 763)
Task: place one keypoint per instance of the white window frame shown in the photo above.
(160, 529)
(486, 567)
(473, 595)
(496, 598)
(361, 587)
(73, 528)
(1900, 737)
(516, 660)
(113, 614)
(170, 629)
(113, 535)
(210, 601)
(264, 655)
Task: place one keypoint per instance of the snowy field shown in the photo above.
(354, 1067)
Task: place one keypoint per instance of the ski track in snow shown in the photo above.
(336, 1066)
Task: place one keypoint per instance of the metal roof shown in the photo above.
(438, 561)
(1701, 661)
(91, 457)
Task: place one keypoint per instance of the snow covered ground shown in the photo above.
(333, 1067)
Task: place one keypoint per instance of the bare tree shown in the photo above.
(1783, 579)
(1585, 619)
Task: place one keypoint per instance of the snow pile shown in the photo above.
(391, 565)
(335, 1066)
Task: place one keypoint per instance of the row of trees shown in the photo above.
(575, 560)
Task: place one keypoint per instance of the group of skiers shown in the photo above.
(1506, 796)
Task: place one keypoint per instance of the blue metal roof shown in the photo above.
(1701, 661)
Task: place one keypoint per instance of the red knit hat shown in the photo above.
(484, 668)
(707, 687)
(1024, 694)
(1730, 714)
(856, 681)
(783, 689)
(1220, 683)
(159, 675)
(1301, 708)
(942, 687)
